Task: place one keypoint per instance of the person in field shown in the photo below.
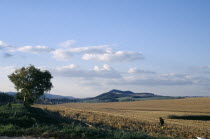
(162, 123)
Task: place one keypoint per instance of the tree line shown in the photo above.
(5, 98)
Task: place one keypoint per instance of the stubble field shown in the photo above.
(143, 115)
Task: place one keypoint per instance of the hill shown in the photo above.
(118, 93)
(123, 96)
(111, 96)
(45, 99)
(52, 96)
(46, 95)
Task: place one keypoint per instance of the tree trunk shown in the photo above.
(24, 100)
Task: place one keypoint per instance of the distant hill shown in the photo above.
(9, 93)
(123, 96)
(111, 96)
(52, 96)
(46, 95)
(118, 93)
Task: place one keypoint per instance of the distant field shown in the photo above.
(126, 99)
(145, 112)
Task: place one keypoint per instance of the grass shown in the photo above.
(17, 120)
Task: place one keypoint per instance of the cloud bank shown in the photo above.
(105, 75)
(118, 56)
(33, 49)
(75, 71)
(101, 53)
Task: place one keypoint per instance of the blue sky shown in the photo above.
(155, 46)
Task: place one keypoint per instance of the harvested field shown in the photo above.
(144, 115)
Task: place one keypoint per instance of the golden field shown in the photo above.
(143, 115)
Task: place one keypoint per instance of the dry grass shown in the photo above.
(144, 115)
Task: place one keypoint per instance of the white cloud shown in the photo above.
(153, 81)
(104, 68)
(6, 84)
(4, 45)
(143, 79)
(67, 53)
(106, 72)
(62, 54)
(7, 70)
(139, 71)
(97, 72)
(139, 78)
(33, 49)
(118, 56)
(91, 49)
(67, 43)
(98, 53)
(68, 67)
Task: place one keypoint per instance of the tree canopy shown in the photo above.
(31, 83)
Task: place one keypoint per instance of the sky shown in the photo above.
(92, 46)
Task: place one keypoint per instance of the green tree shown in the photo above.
(31, 83)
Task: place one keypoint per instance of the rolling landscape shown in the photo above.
(111, 96)
(104, 69)
(184, 117)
